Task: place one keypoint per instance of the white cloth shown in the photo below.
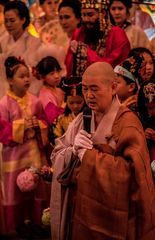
(137, 37)
(26, 47)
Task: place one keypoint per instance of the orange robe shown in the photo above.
(115, 198)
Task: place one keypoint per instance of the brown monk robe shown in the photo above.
(115, 197)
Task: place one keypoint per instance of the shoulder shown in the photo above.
(126, 118)
(77, 32)
(33, 97)
(5, 37)
(116, 30)
(33, 39)
(3, 100)
(117, 33)
(45, 91)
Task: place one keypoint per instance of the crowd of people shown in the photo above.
(77, 121)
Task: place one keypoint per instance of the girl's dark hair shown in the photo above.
(74, 4)
(47, 65)
(41, 2)
(11, 65)
(22, 9)
(3, 2)
(141, 50)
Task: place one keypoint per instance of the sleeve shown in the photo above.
(127, 182)
(58, 130)
(52, 112)
(42, 122)
(5, 132)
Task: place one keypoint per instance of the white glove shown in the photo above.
(82, 142)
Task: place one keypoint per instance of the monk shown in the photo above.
(114, 196)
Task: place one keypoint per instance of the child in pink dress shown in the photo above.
(51, 96)
(21, 120)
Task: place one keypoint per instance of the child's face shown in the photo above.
(123, 89)
(53, 78)
(20, 81)
(148, 68)
(151, 109)
(49, 7)
(75, 103)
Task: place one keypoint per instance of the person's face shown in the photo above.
(123, 89)
(75, 103)
(13, 23)
(98, 93)
(49, 7)
(148, 67)
(151, 109)
(119, 12)
(89, 17)
(53, 78)
(68, 20)
(20, 81)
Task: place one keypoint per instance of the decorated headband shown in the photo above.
(96, 4)
(71, 85)
(124, 72)
(149, 91)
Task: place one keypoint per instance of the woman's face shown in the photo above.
(13, 23)
(148, 67)
(118, 12)
(49, 7)
(68, 20)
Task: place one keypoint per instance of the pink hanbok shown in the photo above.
(52, 101)
(20, 151)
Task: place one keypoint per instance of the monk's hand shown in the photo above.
(82, 142)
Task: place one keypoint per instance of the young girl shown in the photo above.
(51, 97)
(22, 114)
(127, 79)
(146, 107)
(74, 104)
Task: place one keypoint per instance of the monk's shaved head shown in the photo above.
(100, 69)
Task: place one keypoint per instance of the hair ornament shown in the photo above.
(149, 91)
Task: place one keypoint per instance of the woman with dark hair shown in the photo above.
(17, 41)
(148, 70)
(69, 15)
(119, 14)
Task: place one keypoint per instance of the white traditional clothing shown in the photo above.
(25, 47)
(137, 37)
